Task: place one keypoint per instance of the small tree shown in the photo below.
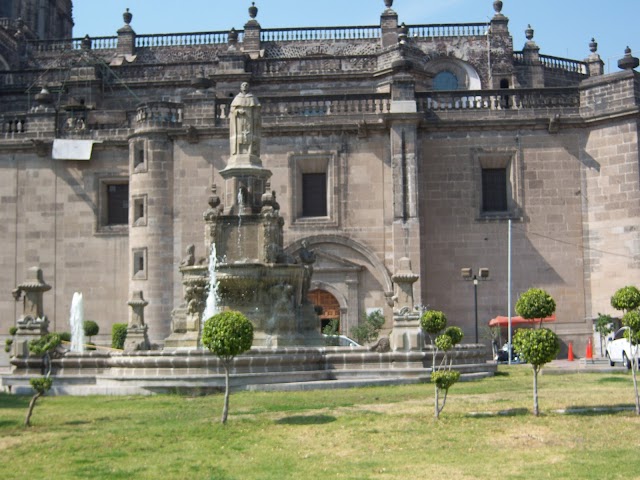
(91, 328)
(369, 327)
(443, 377)
(227, 334)
(627, 299)
(539, 346)
(604, 326)
(41, 346)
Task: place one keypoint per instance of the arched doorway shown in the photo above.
(328, 303)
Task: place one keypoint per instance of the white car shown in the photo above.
(340, 341)
(619, 350)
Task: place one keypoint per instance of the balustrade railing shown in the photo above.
(97, 43)
(319, 106)
(14, 125)
(185, 39)
(448, 30)
(566, 64)
(504, 99)
(160, 114)
(320, 33)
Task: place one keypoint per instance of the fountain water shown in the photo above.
(76, 319)
(211, 307)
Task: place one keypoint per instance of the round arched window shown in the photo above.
(445, 80)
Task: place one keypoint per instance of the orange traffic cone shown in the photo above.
(589, 350)
(570, 356)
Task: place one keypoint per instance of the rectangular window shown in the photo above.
(118, 204)
(314, 194)
(494, 190)
(140, 263)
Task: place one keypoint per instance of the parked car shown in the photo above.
(340, 341)
(619, 350)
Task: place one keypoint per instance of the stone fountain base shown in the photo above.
(197, 371)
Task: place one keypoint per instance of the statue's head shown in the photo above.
(244, 87)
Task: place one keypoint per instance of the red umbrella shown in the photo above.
(501, 321)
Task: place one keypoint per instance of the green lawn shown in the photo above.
(486, 431)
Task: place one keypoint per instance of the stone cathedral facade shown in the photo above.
(386, 142)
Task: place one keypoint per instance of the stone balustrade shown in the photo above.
(548, 61)
(97, 43)
(319, 33)
(448, 30)
(504, 99)
(159, 114)
(12, 125)
(184, 39)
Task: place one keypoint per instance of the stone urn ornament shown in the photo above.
(388, 3)
(497, 6)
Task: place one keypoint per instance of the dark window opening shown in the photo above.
(445, 81)
(314, 194)
(494, 190)
(138, 160)
(118, 204)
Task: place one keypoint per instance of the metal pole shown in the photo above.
(509, 289)
(475, 302)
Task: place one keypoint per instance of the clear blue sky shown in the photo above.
(562, 27)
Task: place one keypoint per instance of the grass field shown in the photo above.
(486, 431)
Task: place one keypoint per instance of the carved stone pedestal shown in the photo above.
(407, 334)
(32, 324)
(137, 338)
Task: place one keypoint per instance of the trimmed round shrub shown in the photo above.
(444, 379)
(227, 334)
(536, 346)
(444, 343)
(13, 330)
(632, 320)
(455, 334)
(535, 303)
(433, 321)
(626, 299)
(91, 328)
(118, 335)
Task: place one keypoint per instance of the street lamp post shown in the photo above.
(467, 274)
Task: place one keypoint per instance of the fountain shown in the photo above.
(76, 320)
(249, 271)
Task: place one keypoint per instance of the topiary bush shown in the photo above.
(65, 336)
(227, 334)
(118, 335)
(626, 299)
(90, 328)
(41, 346)
(535, 303)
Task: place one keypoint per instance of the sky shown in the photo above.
(563, 28)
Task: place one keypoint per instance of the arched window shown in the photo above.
(445, 80)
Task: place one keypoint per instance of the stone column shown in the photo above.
(151, 236)
(136, 329)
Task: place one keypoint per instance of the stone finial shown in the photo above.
(593, 46)
(127, 16)
(388, 3)
(86, 43)
(628, 62)
(529, 33)
(497, 6)
(44, 97)
(253, 10)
